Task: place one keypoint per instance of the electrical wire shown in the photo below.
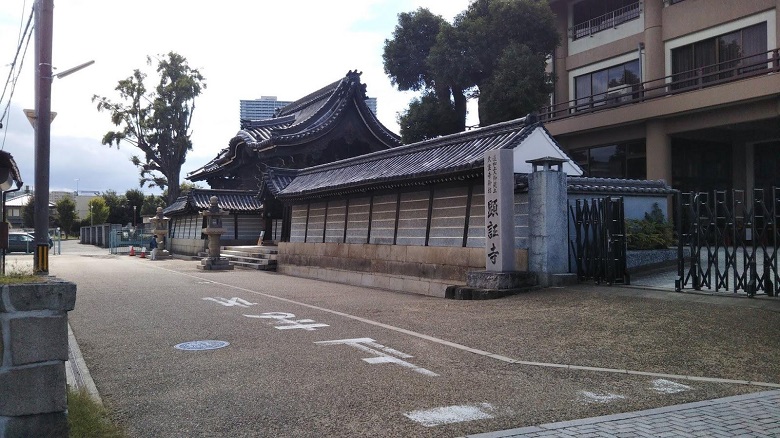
(28, 32)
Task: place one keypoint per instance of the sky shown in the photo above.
(244, 49)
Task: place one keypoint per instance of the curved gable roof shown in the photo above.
(302, 121)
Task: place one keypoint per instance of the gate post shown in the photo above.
(548, 251)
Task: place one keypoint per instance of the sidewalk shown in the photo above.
(749, 415)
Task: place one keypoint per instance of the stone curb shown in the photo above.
(76, 370)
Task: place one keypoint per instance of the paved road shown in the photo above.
(311, 358)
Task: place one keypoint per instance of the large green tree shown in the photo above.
(98, 211)
(441, 109)
(66, 214)
(495, 51)
(117, 208)
(156, 121)
(135, 198)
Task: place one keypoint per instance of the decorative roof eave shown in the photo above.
(232, 201)
(376, 128)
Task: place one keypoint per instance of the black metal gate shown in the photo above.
(732, 241)
(599, 244)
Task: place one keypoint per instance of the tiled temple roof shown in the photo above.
(302, 121)
(450, 157)
(197, 200)
(581, 184)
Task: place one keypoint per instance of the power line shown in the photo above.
(27, 32)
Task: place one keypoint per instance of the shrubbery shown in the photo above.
(652, 232)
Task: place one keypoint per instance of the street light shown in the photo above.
(91, 218)
(44, 23)
(134, 207)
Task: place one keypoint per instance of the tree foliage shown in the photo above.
(157, 122)
(495, 51)
(28, 213)
(117, 208)
(150, 205)
(407, 62)
(98, 210)
(135, 198)
(66, 214)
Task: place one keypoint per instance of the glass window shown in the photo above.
(623, 160)
(598, 84)
(719, 58)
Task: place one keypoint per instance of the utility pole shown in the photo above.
(44, 21)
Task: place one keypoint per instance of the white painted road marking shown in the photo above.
(235, 301)
(668, 387)
(476, 350)
(383, 354)
(451, 414)
(285, 321)
(592, 397)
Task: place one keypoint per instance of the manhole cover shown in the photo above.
(201, 345)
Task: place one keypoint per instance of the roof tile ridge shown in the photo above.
(424, 145)
(314, 96)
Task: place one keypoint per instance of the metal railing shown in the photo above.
(716, 74)
(607, 21)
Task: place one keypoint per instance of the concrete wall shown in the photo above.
(186, 246)
(419, 269)
(34, 347)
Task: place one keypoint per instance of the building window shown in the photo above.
(701, 166)
(766, 163)
(622, 160)
(718, 58)
(610, 85)
(591, 16)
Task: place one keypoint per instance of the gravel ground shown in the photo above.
(131, 312)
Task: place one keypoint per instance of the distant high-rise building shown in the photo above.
(371, 102)
(266, 106)
(263, 108)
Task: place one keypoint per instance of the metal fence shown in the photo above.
(599, 244)
(121, 239)
(733, 241)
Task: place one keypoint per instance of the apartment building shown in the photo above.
(267, 106)
(687, 91)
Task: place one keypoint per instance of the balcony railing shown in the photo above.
(607, 21)
(716, 74)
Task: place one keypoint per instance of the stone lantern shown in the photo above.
(160, 229)
(214, 230)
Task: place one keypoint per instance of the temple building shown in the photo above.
(330, 124)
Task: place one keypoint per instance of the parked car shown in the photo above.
(21, 242)
(51, 242)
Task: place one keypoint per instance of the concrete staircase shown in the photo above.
(251, 257)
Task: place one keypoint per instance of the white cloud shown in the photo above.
(244, 49)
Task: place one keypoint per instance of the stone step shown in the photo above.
(239, 258)
(250, 255)
(251, 265)
(475, 293)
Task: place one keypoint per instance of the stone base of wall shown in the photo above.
(416, 269)
(33, 351)
(401, 283)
